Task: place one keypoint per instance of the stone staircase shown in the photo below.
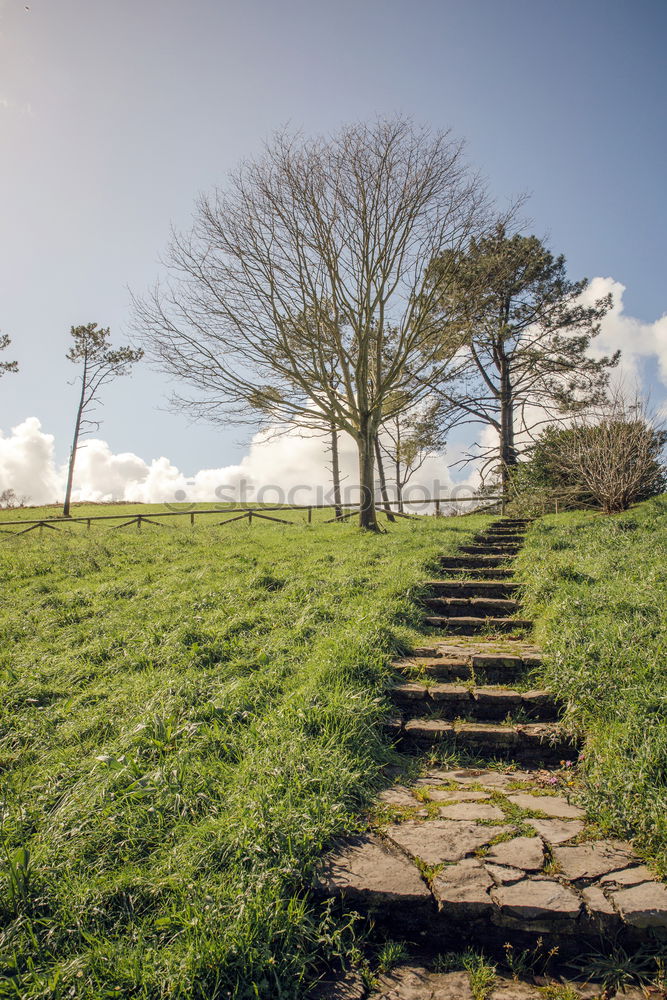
(491, 854)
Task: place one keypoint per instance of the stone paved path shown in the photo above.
(496, 855)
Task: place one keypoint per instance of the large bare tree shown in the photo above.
(527, 334)
(340, 230)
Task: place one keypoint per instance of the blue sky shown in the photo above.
(114, 115)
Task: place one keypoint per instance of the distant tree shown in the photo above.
(610, 457)
(99, 364)
(408, 439)
(9, 500)
(527, 335)
(344, 227)
(6, 366)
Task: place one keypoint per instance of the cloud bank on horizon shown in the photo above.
(289, 467)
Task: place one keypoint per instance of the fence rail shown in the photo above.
(21, 526)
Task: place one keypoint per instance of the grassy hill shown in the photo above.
(597, 587)
(187, 717)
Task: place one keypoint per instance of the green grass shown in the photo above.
(187, 718)
(597, 587)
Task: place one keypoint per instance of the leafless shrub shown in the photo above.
(613, 453)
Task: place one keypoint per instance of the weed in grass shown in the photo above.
(616, 968)
(390, 955)
(481, 973)
(528, 961)
(558, 991)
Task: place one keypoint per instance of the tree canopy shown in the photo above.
(527, 335)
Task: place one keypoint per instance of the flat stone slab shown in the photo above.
(602, 913)
(462, 890)
(472, 811)
(556, 831)
(504, 876)
(491, 780)
(445, 795)
(643, 906)
(543, 901)
(369, 873)
(590, 861)
(440, 841)
(551, 805)
(526, 853)
(414, 983)
(397, 796)
(628, 877)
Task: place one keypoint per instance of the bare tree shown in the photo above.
(6, 366)
(341, 230)
(9, 500)
(99, 364)
(409, 438)
(612, 454)
(527, 334)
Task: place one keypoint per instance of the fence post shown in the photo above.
(138, 522)
(88, 524)
(250, 517)
(310, 515)
(437, 508)
(192, 518)
(556, 506)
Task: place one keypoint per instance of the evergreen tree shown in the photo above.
(526, 334)
(99, 364)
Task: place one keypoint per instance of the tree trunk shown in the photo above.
(399, 487)
(508, 458)
(399, 478)
(335, 472)
(367, 517)
(75, 445)
(383, 481)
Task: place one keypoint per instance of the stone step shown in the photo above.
(485, 607)
(462, 867)
(459, 663)
(471, 588)
(491, 538)
(524, 522)
(530, 741)
(505, 531)
(436, 668)
(489, 550)
(474, 625)
(474, 561)
(453, 701)
(499, 572)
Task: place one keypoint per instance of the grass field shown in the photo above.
(188, 716)
(597, 587)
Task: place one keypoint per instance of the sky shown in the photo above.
(115, 115)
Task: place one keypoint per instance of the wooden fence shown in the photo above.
(22, 526)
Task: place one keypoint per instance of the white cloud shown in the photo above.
(27, 463)
(287, 467)
(638, 341)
